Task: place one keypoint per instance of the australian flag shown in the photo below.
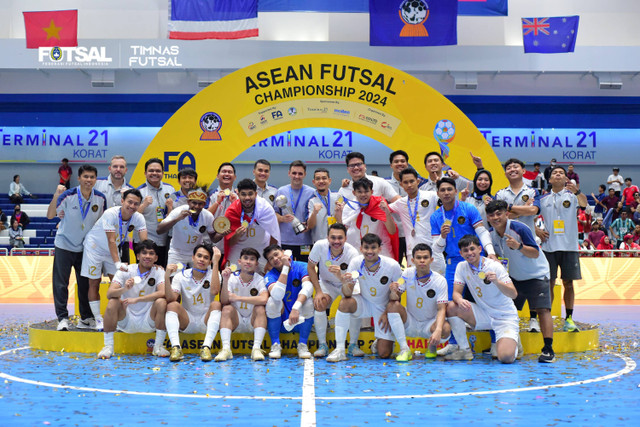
(550, 35)
(413, 22)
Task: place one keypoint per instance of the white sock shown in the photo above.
(459, 331)
(258, 337)
(160, 335)
(95, 309)
(225, 337)
(173, 326)
(320, 323)
(212, 327)
(397, 327)
(354, 330)
(108, 339)
(342, 323)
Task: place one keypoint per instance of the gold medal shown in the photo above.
(221, 224)
(180, 266)
(137, 280)
(327, 263)
(355, 275)
(192, 211)
(340, 199)
(227, 192)
(245, 224)
(233, 268)
(401, 281)
(482, 275)
(447, 222)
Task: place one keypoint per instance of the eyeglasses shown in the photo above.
(355, 165)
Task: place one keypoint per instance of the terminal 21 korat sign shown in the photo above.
(244, 110)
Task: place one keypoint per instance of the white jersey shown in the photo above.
(381, 187)
(423, 297)
(427, 203)
(96, 239)
(222, 208)
(251, 289)
(323, 219)
(374, 286)
(320, 255)
(149, 284)
(196, 295)
(187, 234)
(368, 225)
(156, 211)
(496, 304)
(258, 234)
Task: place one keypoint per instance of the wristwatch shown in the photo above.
(578, 192)
(521, 246)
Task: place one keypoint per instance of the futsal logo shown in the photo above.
(210, 123)
(414, 13)
(56, 54)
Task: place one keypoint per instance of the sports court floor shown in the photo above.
(57, 388)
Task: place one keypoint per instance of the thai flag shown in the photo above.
(213, 19)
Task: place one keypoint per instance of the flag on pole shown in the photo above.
(207, 19)
(51, 28)
(413, 22)
(483, 7)
(550, 35)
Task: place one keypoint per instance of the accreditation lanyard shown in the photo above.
(444, 215)
(362, 269)
(426, 276)
(327, 205)
(84, 211)
(121, 224)
(476, 270)
(295, 206)
(331, 258)
(143, 276)
(253, 216)
(414, 215)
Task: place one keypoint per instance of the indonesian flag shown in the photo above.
(529, 176)
(265, 218)
(57, 28)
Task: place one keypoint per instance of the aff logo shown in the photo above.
(175, 161)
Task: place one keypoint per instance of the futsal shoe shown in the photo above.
(460, 354)
(494, 350)
(322, 350)
(404, 356)
(86, 324)
(160, 351)
(354, 350)
(303, 352)
(176, 354)
(547, 355)
(63, 325)
(570, 326)
(276, 351)
(430, 354)
(337, 355)
(534, 325)
(448, 349)
(205, 354)
(374, 347)
(225, 354)
(106, 352)
(257, 355)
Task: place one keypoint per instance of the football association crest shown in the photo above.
(414, 13)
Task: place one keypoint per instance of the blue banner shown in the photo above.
(550, 35)
(483, 7)
(465, 7)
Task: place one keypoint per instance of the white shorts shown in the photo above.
(417, 329)
(196, 325)
(365, 310)
(94, 266)
(174, 258)
(504, 328)
(333, 291)
(244, 325)
(138, 323)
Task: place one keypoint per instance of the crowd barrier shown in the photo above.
(610, 253)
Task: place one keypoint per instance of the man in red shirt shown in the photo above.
(628, 192)
(65, 172)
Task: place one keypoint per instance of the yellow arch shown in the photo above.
(334, 91)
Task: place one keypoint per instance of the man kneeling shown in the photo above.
(136, 301)
(493, 291)
(243, 296)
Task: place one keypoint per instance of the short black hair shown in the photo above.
(468, 240)
(370, 239)
(151, 161)
(226, 164)
(536, 164)
(354, 155)
(251, 252)
(433, 153)
(14, 177)
(87, 168)
(398, 153)
(496, 205)
(148, 244)
(298, 163)
(271, 248)
(187, 172)
(559, 167)
(247, 184)
(133, 191)
(65, 160)
(604, 187)
(364, 183)
(321, 170)
(514, 160)
(628, 179)
(421, 247)
(262, 162)
(408, 171)
(446, 180)
(206, 247)
(337, 226)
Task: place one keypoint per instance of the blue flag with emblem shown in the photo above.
(550, 35)
(483, 7)
(413, 22)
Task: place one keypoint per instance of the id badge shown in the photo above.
(331, 220)
(504, 262)
(159, 213)
(558, 226)
(305, 249)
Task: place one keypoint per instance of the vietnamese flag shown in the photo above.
(51, 28)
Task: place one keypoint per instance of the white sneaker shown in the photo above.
(447, 349)
(86, 324)
(355, 351)
(257, 354)
(460, 354)
(276, 351)
(534, 325)
(322, 350)
(63, 325)
(106, 352)
(99, 324)
(337, 355)
(494, 350)
(303, 352)
(225, 354)
(374, 347)
(160, 352)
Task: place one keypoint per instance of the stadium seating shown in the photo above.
(40, 232)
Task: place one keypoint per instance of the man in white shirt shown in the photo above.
(615, 181)
(322, 206)
(136, 301)
(357, 169)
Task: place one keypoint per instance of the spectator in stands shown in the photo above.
(547, 173)
(22, 217)
(572, 175)
(587, 246)
(621, 226)
(538, 182)
(3, 220)
(16, 238)
(605, 245)
(628, 245)
(636, 234)
(610, 201)
(17, 191)
(629, 191)
(596, 234)
(584, 223)
(65, 172)
(600, 208)
(615, 181)
(635, 212)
